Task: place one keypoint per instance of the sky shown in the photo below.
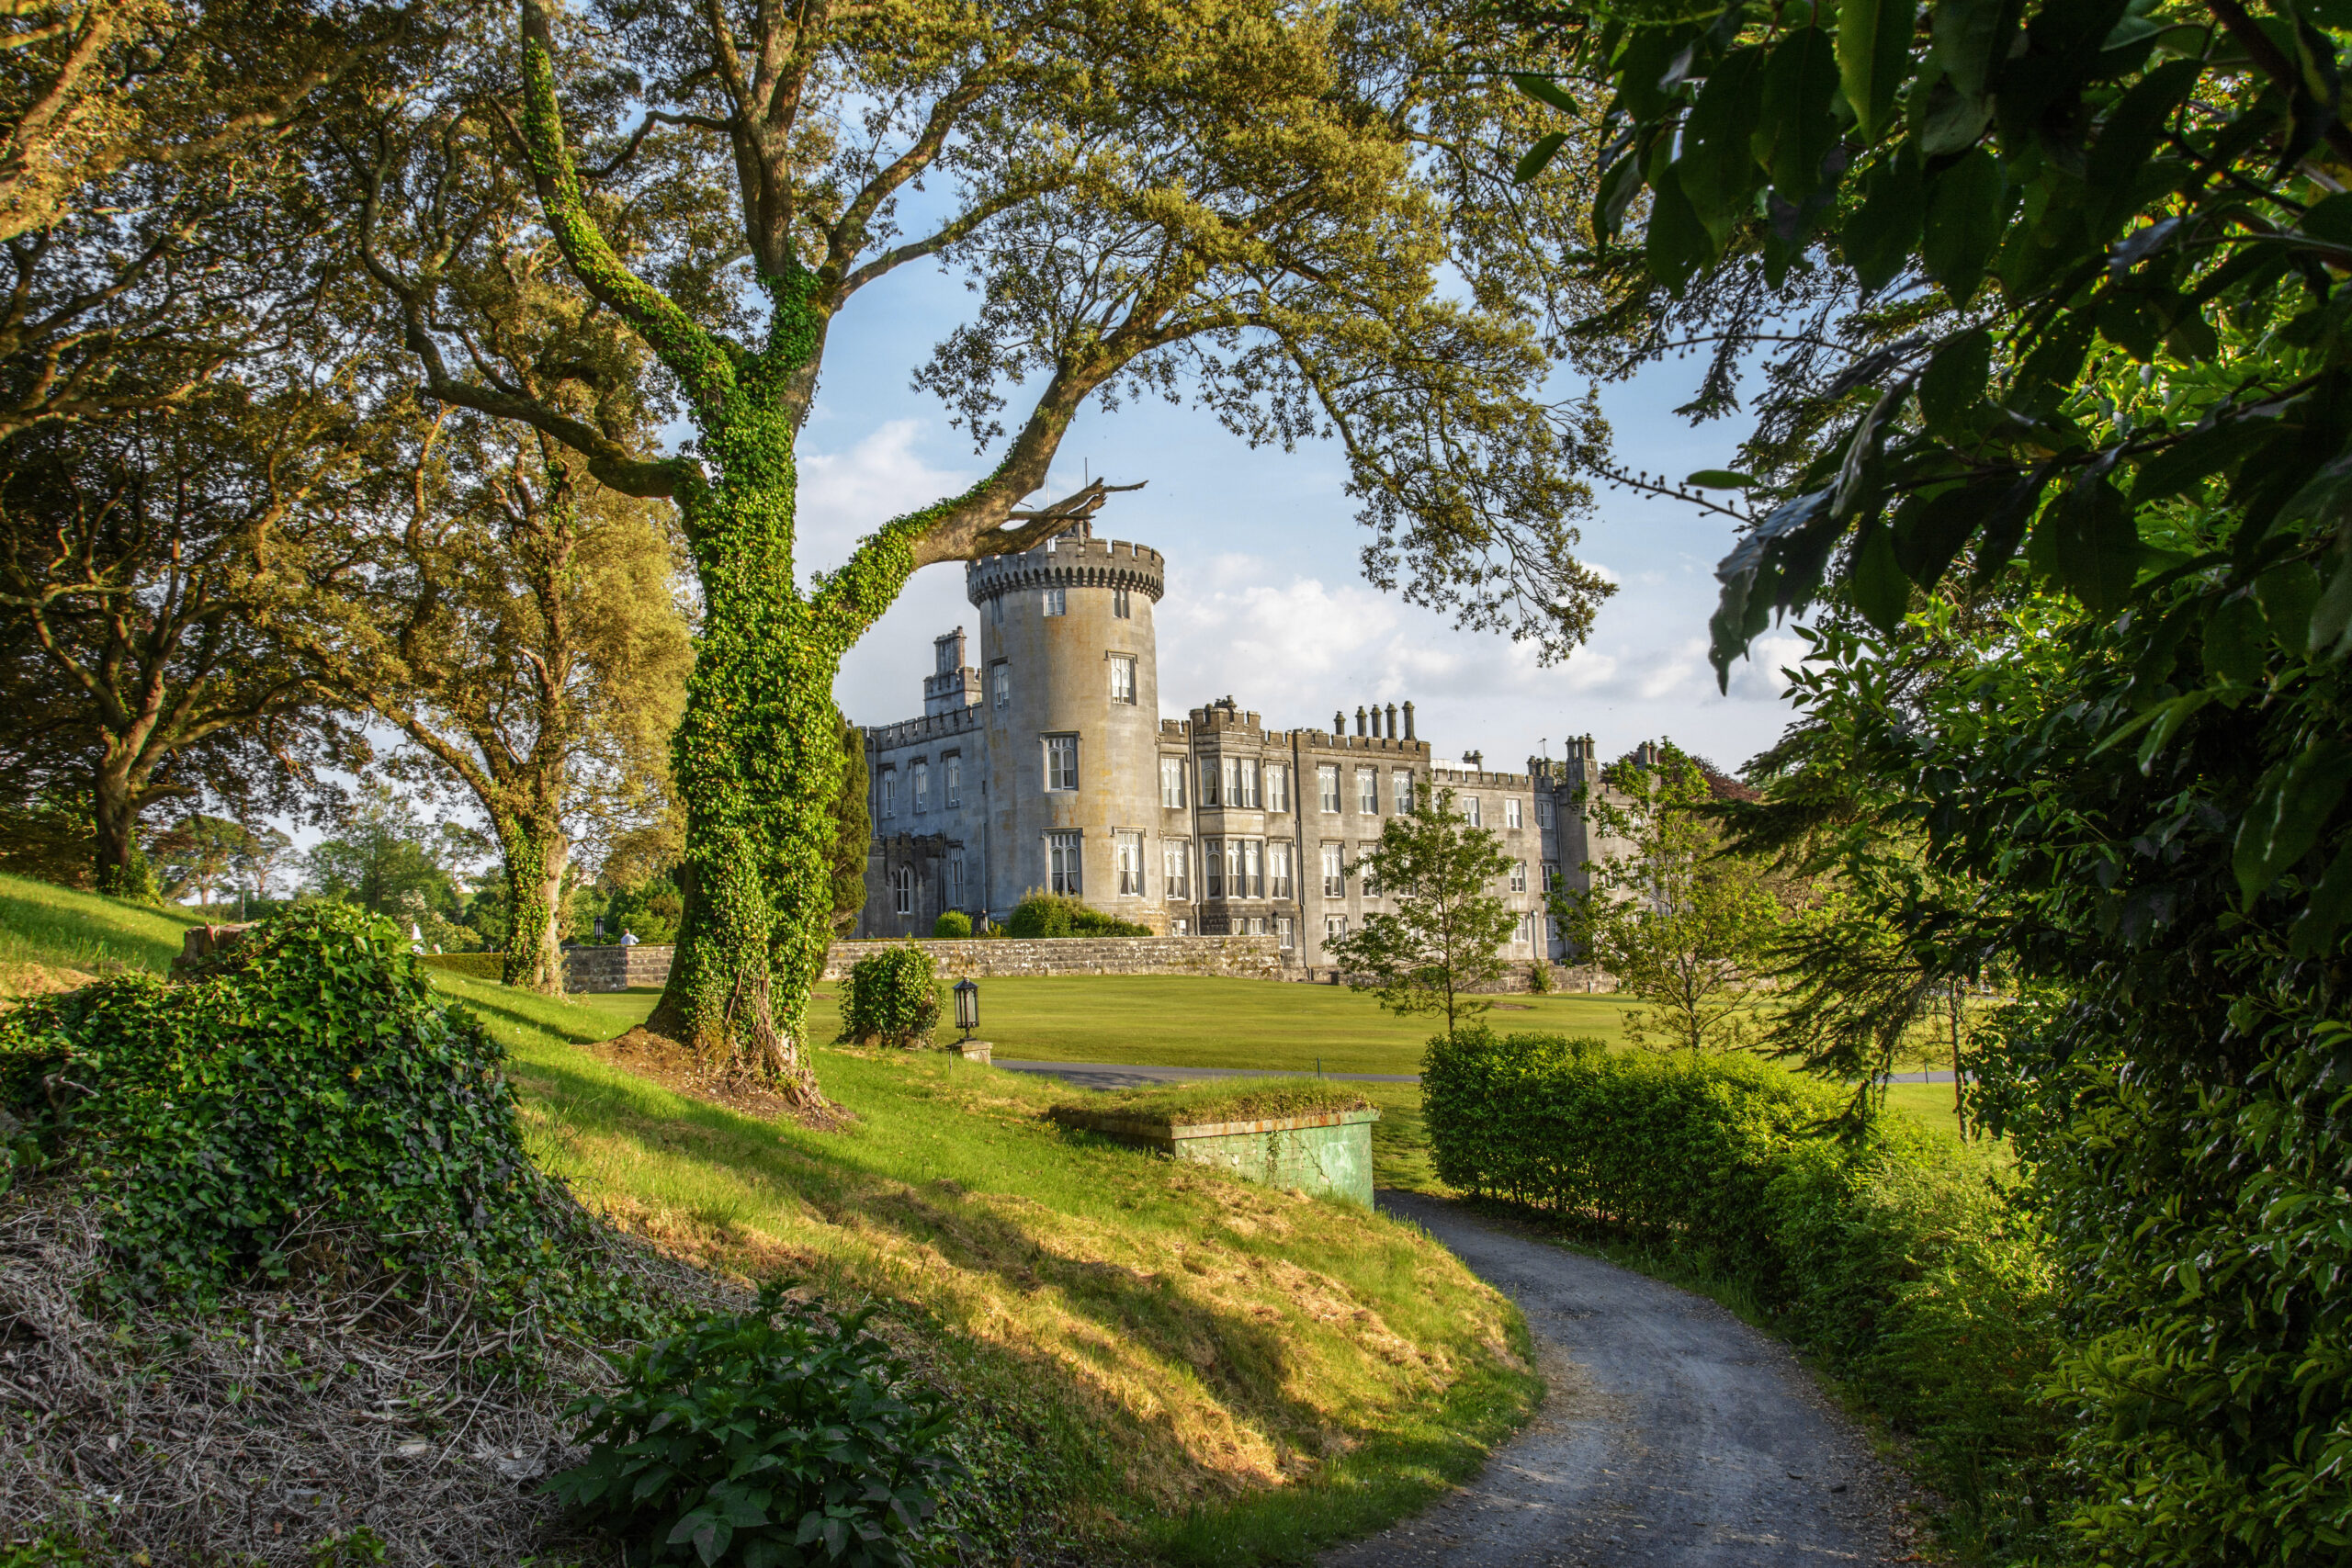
(1266, 602)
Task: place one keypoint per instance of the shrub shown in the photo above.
(951, 924)
(1052, 914)
(893, 996)
(1539, 978)
(311, 1093)
(759, 1438)
(1894, 1256)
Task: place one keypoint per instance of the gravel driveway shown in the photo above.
(1673, 1433)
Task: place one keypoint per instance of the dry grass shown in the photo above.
(1228, 1099)
(289, 1417)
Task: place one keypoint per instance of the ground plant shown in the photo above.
(893, 996)
(2055, 453)
(764, 1439)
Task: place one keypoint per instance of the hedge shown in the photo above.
(893, 996)
(1897, 1257)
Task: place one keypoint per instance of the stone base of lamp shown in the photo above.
(972, 1050)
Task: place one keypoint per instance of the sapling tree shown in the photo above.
(1684, 930)
(1234, 195)
(1444, 938)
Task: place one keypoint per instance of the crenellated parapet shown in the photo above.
(1072, 563)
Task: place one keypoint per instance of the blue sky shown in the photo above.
(1266, 600)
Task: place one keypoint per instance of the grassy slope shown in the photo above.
(58, 928)
(1239, 1372)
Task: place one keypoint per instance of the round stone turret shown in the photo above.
(1069, 688)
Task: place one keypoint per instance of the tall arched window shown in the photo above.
(903, 889)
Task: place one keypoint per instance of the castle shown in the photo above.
(1047, 765)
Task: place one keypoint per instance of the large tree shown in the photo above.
(521, 627)
(1237, 192)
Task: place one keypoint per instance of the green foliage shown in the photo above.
(1683, 929)
(2077, 508)
(1446, 933)
(1053, 914)
(952, 925)
(1896, 1258)
(852, 832)
(1231, 1100)
(311, 1099)
(1539, 977)
(892, 997)
(769, 1437)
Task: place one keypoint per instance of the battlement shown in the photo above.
(914, 731)
(1070, 563)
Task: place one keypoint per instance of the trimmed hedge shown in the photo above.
(893, 998)
(1051, 914)
(1897, 1257)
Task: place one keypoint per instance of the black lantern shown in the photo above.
(968, 1006)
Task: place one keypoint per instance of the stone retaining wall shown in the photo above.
(1247, 957)
(616, 968)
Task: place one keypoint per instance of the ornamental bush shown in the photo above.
(1054, 914)
(952, 924)
(893, 998)
(776, 1436)
(309, 1095)
(1896, 1257)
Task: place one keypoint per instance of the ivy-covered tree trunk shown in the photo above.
(535, 853)
(118, 868)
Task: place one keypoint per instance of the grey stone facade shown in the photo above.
(1045, 765)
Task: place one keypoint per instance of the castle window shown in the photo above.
(1278, 870)
(1000, 683)
(1277, 787)
(1062, 762)
(1371, 879)
(1287, 933)
(1208, 781)
(951, 890)
(1058, 600)
(1175, 868)
(1551, 877)
(1527, 930)
(1519, 876)
(1543, 811)
(922, 773)
(1327, 785)
(1213, 867)
(1335, 875)
(1368, 791)
(1063, 855)
(1127, 849)
(1400, 791)
(902, 889)
(1123, 678)
(1510, 813)
(1472, 812)
(1245, 868)
(889, 792)
(1120, 608)
(955, 764)
(1172, 783)
(1180, 927)
(1334, 926)
(1240, 782)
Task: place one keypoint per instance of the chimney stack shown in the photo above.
(1409, 721)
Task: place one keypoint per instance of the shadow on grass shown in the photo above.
(1145, 1326)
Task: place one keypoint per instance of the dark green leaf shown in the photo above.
(1968, 211)
(1676, 243)
(1720, 479)
(2234, 635)
(1539, 156)
(2288, 594)
(2181, 468)
(2055, 364)
(1545, 91)
(1881, 590)
(2088, 545)
(1614, 195)
(2329, 907)
(2128, 137)
(1929, 531)
(1970, 37)
(1950, 122)
(1954, 384)
(2290, 806)
(1797, 130)
(1874, 55)
(1717, 165)
(1880, 236)
(2331, 632)
(2005, 524)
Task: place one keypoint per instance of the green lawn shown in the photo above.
(61, 929)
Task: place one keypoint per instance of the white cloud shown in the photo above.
(846, 495)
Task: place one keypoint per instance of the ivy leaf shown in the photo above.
(1797, 130)
(2290, 806)
(1968, 211)
(1874, 55)
(1882, 591)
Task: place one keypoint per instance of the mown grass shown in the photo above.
(1225, 1099)
(1206, 1371)
(59, 928)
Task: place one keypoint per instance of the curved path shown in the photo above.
(1673, 1435)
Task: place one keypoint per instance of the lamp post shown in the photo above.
(968, 1006)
